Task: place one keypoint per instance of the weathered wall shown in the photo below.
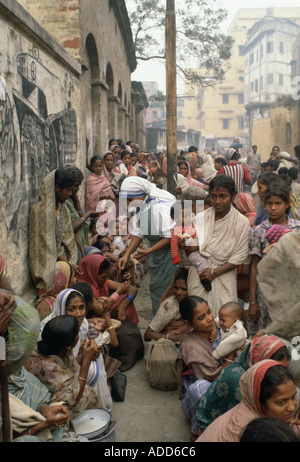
(39, 126)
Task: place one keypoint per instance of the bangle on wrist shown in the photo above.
(253, 303)
(130, 297)
(115, 296)
(110, 327)
(81, 378)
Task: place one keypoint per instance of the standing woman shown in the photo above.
(156, 224)
(277, 203)
(222, 234)
(51, 235)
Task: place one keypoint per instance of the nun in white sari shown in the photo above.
(224, 241)
(97, 377)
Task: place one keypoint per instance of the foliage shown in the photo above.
(202, 49)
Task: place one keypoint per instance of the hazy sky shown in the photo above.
(153, 71)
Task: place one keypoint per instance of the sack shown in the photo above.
(116, 182)
(118, 386)
(131, 345)
(160, 359)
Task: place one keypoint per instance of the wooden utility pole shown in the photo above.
(171, 96)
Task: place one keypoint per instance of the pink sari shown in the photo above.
(89, 265)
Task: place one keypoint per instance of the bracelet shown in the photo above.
(130, 297)
(115, 296)
(81, 378)
(252, 303)
(110, 327)
(83, 219)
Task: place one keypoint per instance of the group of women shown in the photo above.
(84, 301)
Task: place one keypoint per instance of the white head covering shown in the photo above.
(284, 155)
(228, 153)
(135, 187)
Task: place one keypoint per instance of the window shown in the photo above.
(281, 47)
(251, 86)
(252, 58)
(225, 124)
(241, 50)
(280, 79)
(261, 51)
(225, 98)
(179, 114)
(261, 83)
(256, 85)
(241, 98)
(241, 122)
(270, 78)
(270, 47)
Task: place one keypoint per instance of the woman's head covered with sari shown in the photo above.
(90, 267)
(245, 204)
(229, 426)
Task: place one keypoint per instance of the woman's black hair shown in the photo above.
(74, 294)
(283, 171)
(285, 177)
(75, 171)
(124, 153)
(188, 305)
(274, 164)
(281, 354)
(86, 290)
(94, 159)
(105, 265)
(263, 164)
(182, 162)
(268, 430)
(274, 377)
(181, 274)
(223, 181)
(293, 173)
(101, 245)
(63, 178)
(58, 333)
(267, 178)
(280, 189)
(220, 160)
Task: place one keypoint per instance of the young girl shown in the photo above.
(263, 181)
(277, 204)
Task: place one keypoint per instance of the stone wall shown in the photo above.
(39, 126)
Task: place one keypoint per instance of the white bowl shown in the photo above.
(92, 422)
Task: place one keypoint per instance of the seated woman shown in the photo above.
(30, 411)
(267, 390)
(216, 402)
(51, 235)
(64, 277)
(71, 302)
(167, 322)
(197, 367)
(95, 271)
(53, 362)
(97, 186)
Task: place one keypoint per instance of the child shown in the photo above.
(233, 333)
(187, 232)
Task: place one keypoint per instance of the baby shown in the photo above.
(186, 231)
(233, 333)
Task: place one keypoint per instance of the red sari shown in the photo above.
(89, 266)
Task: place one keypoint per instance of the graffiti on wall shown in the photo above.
(35, 137)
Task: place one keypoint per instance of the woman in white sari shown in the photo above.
(97, 377)
(222, 234)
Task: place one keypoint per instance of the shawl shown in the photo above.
(29, 389)
(82, 235)
(208, 168)
(246, 206)
(224, 392)
(50, 235)
(230, 426)
(61, 281)
(222, 241)
(278, 279)
(114, 169)
(94, 186)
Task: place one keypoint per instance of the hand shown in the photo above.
(122, 314)
(178, 190)
(123, 288)
(94, 214)
(126, 277)
(141, 253)
(76, 269)
(56, 415)
(207, 275)
(122, 262)
(89, 350)
(7, 306)
(253, 312)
